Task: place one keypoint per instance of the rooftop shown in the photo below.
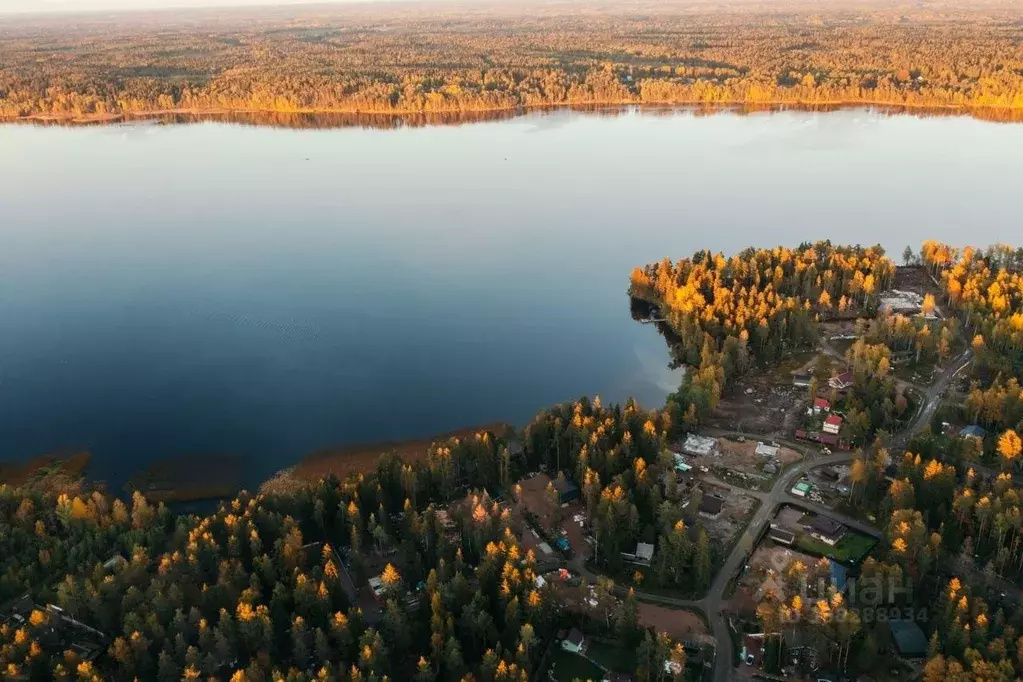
(826, 525)
(839, 576)
(700, 445)
(765, 450)
(973, 431)
(711, 504)
(782, 535)
(644, 551)
(833, 420)
(843, 379)
(565, 486)
(909, 638)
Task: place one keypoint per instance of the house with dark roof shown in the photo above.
(827, 530)
(573, 641)
(567, 491)
(907, 637)
(711, 505)
(782, 536)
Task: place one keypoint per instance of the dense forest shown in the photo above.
(431, 59)
(266, 587)
(726, 316)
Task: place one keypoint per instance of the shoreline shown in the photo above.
(167, 479)
(343, 461)
(353, 117)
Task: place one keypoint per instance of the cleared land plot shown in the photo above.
(789, 517)
(676, 623)
(535, 499)
(767, 562)
(763, 403)
(734, 512)
(736, 457)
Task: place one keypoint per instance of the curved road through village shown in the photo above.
(713, 604)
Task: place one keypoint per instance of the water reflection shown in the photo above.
(393, 121)
(222, 288)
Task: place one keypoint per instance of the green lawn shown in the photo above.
(567, 666)
(852, 547)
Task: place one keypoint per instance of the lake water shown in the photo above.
(266, 292)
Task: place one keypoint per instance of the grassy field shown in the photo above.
(567, 666)
(853, 547)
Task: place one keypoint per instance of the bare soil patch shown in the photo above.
(743, 456)
(678, 624)
(554, 519)
(766, 404)
(764, 567)
(914, 279)
(734, 513)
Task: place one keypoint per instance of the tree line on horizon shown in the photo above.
(423, 63)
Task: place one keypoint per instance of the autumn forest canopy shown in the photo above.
(433, 59)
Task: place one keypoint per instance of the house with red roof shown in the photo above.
(833, 424)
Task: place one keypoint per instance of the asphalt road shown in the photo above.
(714, 603)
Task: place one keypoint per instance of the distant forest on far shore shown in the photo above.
(439, 58)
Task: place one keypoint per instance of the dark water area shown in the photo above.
(265, 292)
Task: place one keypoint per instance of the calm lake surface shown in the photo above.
(267, 292)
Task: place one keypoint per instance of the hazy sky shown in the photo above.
(50, 6)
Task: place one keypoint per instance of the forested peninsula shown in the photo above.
(436, 59)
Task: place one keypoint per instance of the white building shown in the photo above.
(700, 446)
